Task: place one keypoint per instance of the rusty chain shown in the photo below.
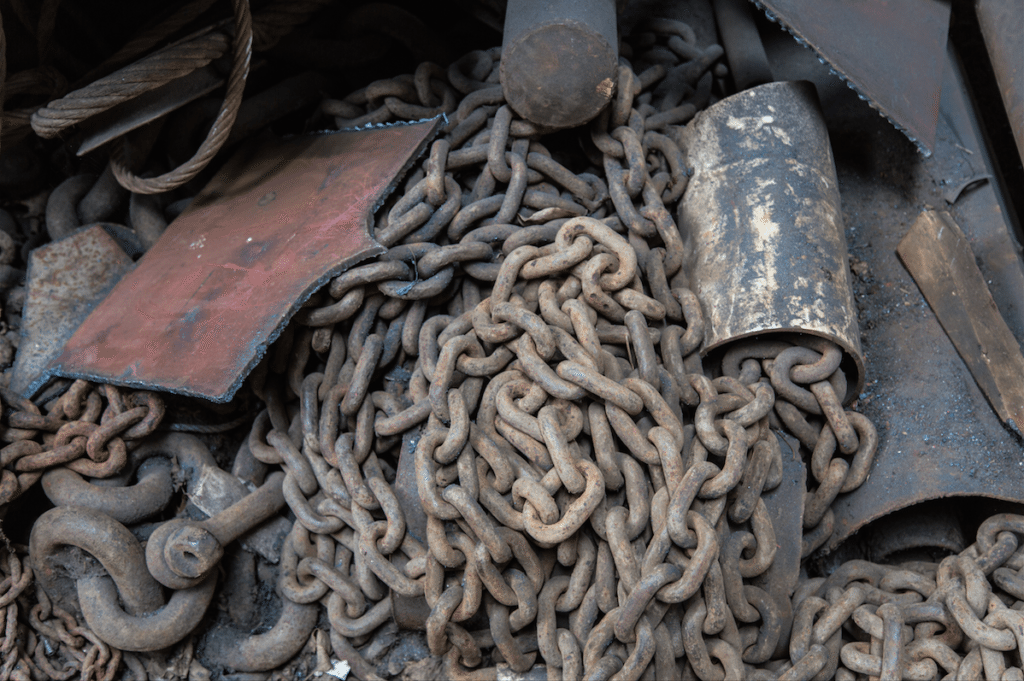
(506, 420)
(84, 430)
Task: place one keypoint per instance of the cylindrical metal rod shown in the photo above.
(763, 211)
(1002, 24)
(748, 62)
(559, 59)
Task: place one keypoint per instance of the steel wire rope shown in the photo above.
(219, 129)
(163, 66)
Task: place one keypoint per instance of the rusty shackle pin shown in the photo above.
(124, 607)
(181, 553)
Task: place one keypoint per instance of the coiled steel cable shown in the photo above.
(219, 130)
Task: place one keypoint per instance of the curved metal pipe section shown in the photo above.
(764, 215)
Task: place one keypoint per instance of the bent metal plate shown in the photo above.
(273, 226)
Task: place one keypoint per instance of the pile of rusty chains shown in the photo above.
(84, 429)
(532, 510)
(659, 574)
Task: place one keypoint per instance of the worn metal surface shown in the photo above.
(939, 258)
(182, 553)
(405, 486)
(274, 225)
(938, 436)
(260, 652)
(785, 506)
(764, 213)
(891, 52)
(211, 490)
(1002, 24)
(984, 210)
(531, 353)
(559, 59)
(66, 279)
(560, 483)
(124, 606)
(922, 530)
(129, 504)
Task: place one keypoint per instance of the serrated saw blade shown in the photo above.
(889, 51)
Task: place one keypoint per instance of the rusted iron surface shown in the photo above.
(559, 59)
(270, 229)
(124, 606)
(926, 528)
(785, 505)
(891, 52)
(748, 62)
(941, 463)
(243, 652)
(405, 486)
(764, 213)
(480, 436)
(212, 490)
(66, 280)
(937, 467)
(937, 432)
(1002, 24)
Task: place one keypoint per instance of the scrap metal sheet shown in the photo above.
(66, 279)
(892, 52)
(201, 307)
(939, 257)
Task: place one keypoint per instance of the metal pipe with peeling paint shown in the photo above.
(764, 214)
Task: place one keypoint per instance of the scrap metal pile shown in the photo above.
(501, 432)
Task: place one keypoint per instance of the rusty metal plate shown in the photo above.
(66, 279)
(891, 52)
(938, 256)
(274, 225)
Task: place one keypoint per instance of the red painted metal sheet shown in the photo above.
(199, 310)
(892, 52)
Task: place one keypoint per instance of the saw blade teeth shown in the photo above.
(839, 74)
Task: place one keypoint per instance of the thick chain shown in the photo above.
(85, 429)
